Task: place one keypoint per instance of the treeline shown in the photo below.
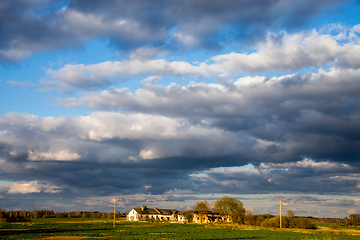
(24, 216)
(234, 208)
(289, 222)
(352, 220)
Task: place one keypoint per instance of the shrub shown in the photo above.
(333, 225)
(259, 219)
(275, 222)
(14, 219)
(301, 222)
(287, 222)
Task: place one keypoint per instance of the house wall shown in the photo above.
(208, 218)
(200, 218)
(133, 216)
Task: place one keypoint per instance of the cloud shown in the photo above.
(278, 53)
(31, 187)
(281, 117)
(293, 52)
(20, 84)
(62, 155)
(305, 164)
(247, 96)
(95, 75)
(352, 211)
(134, 153)
(270, 178)
(30, 27)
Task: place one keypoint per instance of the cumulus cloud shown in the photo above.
(177, 151)
(62, 155)
(96, 75)
(305, 164)
(293, 52)
(273, 123)
(288, 52)
(270, 178)
(129, 25)
(283, 118)
(246, 97)
(31, 187)
(352, 211)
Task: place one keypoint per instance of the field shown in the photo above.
(82, 228)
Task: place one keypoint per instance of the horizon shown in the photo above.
(168, 103)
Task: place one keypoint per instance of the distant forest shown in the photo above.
(24, 216)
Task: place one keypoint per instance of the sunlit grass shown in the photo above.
(89, 228)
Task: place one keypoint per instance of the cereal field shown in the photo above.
(80, 228)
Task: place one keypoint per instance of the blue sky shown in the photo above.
(167, 103)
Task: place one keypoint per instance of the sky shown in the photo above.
(166, 103)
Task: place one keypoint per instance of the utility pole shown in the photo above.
(114, 211)
(280, 214)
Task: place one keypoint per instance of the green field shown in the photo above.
(82, 228)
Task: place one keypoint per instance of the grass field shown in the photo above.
(80, 228)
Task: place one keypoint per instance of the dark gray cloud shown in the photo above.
(305, 176)
(29, 27)
(109, 152)
(293, 116)
(299, 132)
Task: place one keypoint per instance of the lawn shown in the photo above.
(82, 228)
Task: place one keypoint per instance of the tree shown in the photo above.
(230, 206)
(202, 207)
(189, 215)
(290, 213)
(249, 217)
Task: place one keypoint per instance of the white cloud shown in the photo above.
(14, 54)
(146, 53)
(306, 163)
(96, 74)
(247, 97)
(291, 52)
(187, 39)
(148, 154)
(352, 211)
(287, 52)
(32, 187)
(62, 155)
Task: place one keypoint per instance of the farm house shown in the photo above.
(145, 214)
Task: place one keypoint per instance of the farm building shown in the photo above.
(145, 214)
(210, 217)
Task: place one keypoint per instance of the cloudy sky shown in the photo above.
(165, 103)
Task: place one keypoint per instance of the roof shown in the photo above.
(156, 211)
